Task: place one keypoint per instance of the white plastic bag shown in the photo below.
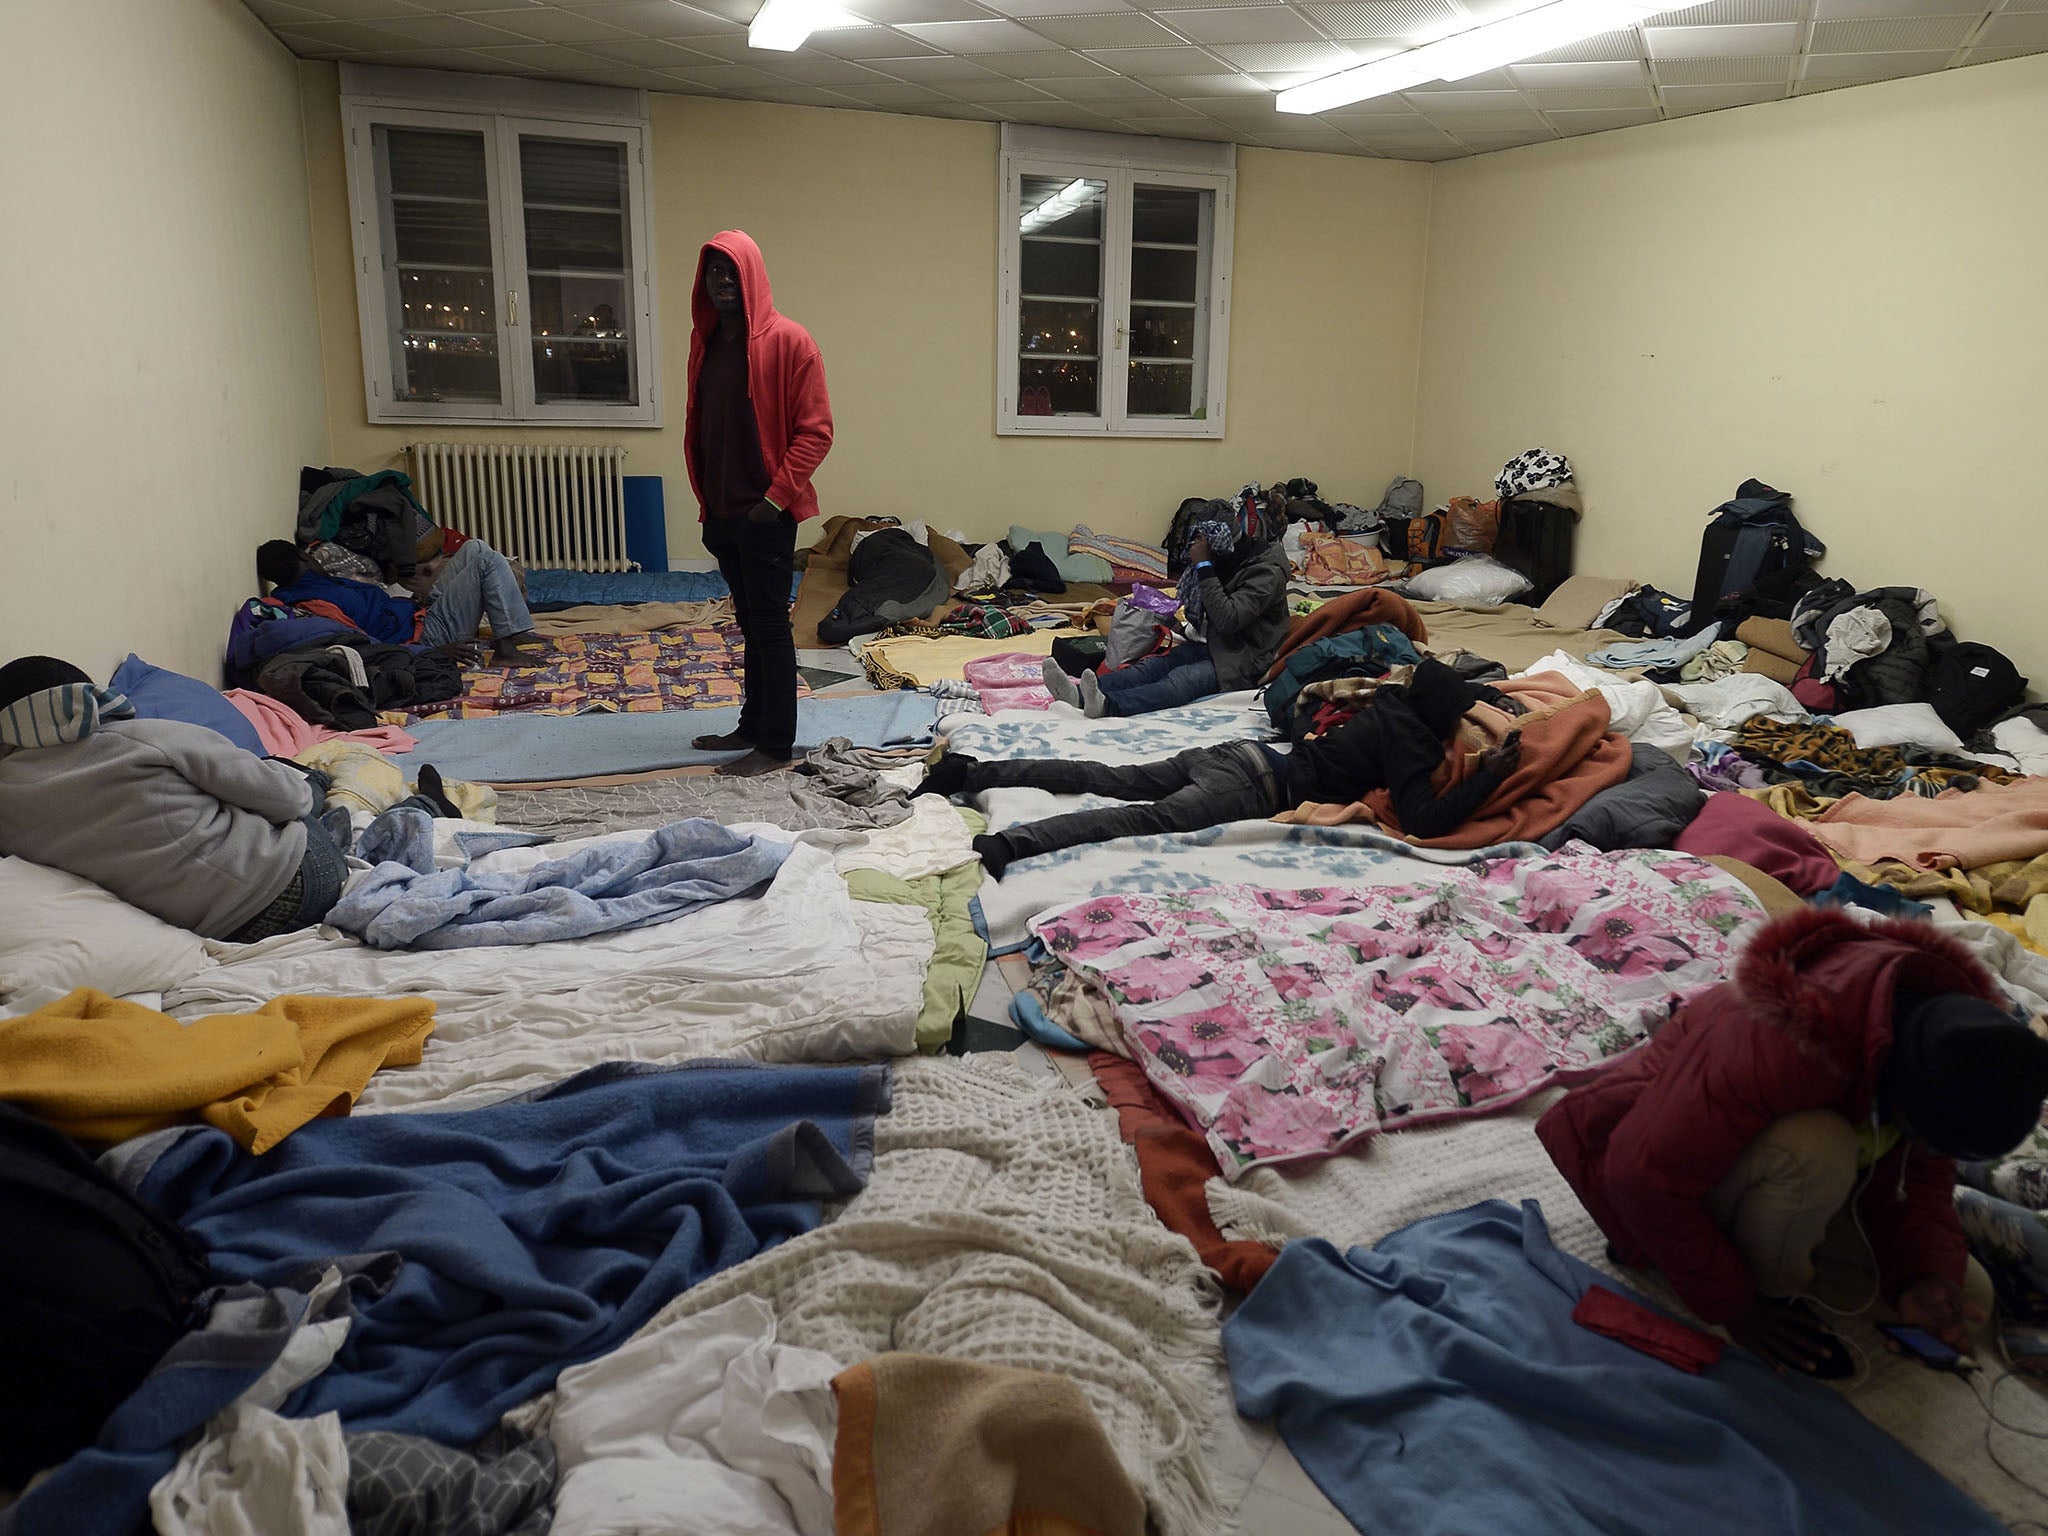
(1477, 581)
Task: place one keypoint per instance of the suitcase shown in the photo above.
(1536, 538)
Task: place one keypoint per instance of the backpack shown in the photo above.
(1419, 539)
(1971, 685)
(1749, 538)
(94, 1288)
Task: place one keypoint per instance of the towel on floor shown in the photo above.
(1437, 1383)
(604, 888)
(536, 1233)
(1369, 605)
(934, 1446)
(1957, 829)
(101, 1069)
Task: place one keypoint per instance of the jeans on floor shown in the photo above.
(757, 561)
(1178, 676)
(476, 583)
(1202, 787)
(314, 889)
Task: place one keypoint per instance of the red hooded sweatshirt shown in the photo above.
(785, 381)
(1805, 1024)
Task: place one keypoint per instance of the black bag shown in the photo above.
(1418, 540)
(1750, 537)
(1078, 654)
(1971, 685)
(94, 1288)
(1537, 538)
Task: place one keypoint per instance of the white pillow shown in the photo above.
(1899, 725)
(59, 933)
(1477, 581)
(1636, 709)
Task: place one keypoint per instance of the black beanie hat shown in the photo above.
(1962, 1076)
(1439, 696)
(32, 674)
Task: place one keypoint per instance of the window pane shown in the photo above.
(579, 270)
(1169, 313)
(1054, 327)
(1062, 206)
(436, 221)
(1048, 388)
(1059, 229)
(1065, 268)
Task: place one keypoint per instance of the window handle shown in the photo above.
(512, 307)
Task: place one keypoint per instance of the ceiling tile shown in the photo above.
(1622, 44)
(725, 77)
(1892, 35)
(1325, 141)
(546, 24)
(362, 10)
(1244, 24)
(1466, 103)
(939, 70)
(741, 11)
(453, 7)
(1874, 66)
(1158, 108)
(809, 69)
(869, 43)
(1769, 69)
(654, 18)
(1053, 64)
(1387, 18)
(2011, 31)
(732, 47)
(803, 96)
(1388, 112)
(1684, 100)
(1628, 96)
(964, 112)
(1599, 122)
(314, 47)
(896, 12)
(552, 57)
(1323, 57)
(1165, 7)
(631, 79)
(451, 31)
(469, 61)
(993, 90)
(1024, 10)
(1993, 55)
(1496, 10)
(1126, 29)
(1722, 42)
(351, 34)
(1504, 138)
(1718, 13)
(1060, 114)
(278, 14)
(1581, 76)
(970, 37)
(645, 53)
(1492, 80)
(1179, 127)
(1198, 87)
(1157, 61)
(1458, 123)
(1836, 10)
(893, 93)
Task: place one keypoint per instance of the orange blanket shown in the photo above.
(1342, 615)
(1568, 756)
(1957, 829)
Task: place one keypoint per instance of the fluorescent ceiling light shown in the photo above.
(1063, 202)
(782, 25)
(1472, 52)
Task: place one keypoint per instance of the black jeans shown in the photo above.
(757, 560)
(1202, 787)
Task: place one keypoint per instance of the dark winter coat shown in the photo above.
(1806, 1024)
(890, 578)
(1244, 615)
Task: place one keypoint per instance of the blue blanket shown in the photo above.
(601, 889)
(1436, 1385)
(536, 1233)
(550, 587)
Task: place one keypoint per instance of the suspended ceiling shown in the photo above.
(1203, 70)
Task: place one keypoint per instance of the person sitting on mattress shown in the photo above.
(452, 595)
(1791, 1136)
(1395, 743)
(1233, 599)
(170, 817)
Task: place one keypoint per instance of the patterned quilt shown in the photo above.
(1288, 1024)
(694, 668)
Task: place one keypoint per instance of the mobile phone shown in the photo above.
(1927, 1349)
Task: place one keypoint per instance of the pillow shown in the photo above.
(59, 933)
(1477, 581)
(160, 695)
(1580, 600)
(1071, 566)
(1899, 725)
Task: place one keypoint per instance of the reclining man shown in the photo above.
(452, 595)
(1396, 743)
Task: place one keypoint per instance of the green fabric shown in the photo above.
(960, 954)
(330, 515)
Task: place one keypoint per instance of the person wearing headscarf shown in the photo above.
(1793, 1135)
(1233, 600)
(1395, 743)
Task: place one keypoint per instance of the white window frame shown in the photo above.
(501, 110)
(1123, 162)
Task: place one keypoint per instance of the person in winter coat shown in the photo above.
(1794, 1132)
(757, 426)
(1234, 600)
(1395, 743)
(452, 597)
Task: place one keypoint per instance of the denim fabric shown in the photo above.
(757, 560)
(1202, 787)
(309, 897)
(1178, 676)
(476, 583)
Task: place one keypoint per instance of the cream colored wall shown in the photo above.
(160, 384)
(1840, 295)
(880, 234)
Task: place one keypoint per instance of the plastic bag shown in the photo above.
(1477, 581)
(1134, 633)
(1472, 526)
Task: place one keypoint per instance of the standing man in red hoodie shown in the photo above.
(757, 426)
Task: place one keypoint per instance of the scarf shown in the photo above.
(70, 712)
(1222, 540)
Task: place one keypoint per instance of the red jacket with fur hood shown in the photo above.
(1806, 1024)
(785, 381)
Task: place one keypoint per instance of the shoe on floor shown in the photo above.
(731, 741)
(1092, 700)
(756, 763)
(1059, 685)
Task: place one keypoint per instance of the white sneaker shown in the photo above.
(1092, 701)
(1059, 685)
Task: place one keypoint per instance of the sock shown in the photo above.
(1059, 685)
(1092, 700)
(948, 776)
(430, 785)
(994, 854)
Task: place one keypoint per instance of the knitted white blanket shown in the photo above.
(1004, 1223)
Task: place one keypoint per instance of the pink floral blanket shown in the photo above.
(1288, 1024)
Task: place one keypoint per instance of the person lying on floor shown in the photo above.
(1395, 743)
(452, 595)
(1792, 1136)
(1233, 598)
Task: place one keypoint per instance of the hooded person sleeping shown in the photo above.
(1395, 743)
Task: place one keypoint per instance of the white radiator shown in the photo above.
(548, 504)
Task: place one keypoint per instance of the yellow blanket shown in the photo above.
(103, 1070)
(926, 660)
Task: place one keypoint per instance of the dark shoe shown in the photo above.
(948, 776)
(994, 854)
(756, 763)
(731, 741)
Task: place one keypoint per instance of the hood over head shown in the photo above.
(1439, 696)
(1962, 1076)
(756, 296)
